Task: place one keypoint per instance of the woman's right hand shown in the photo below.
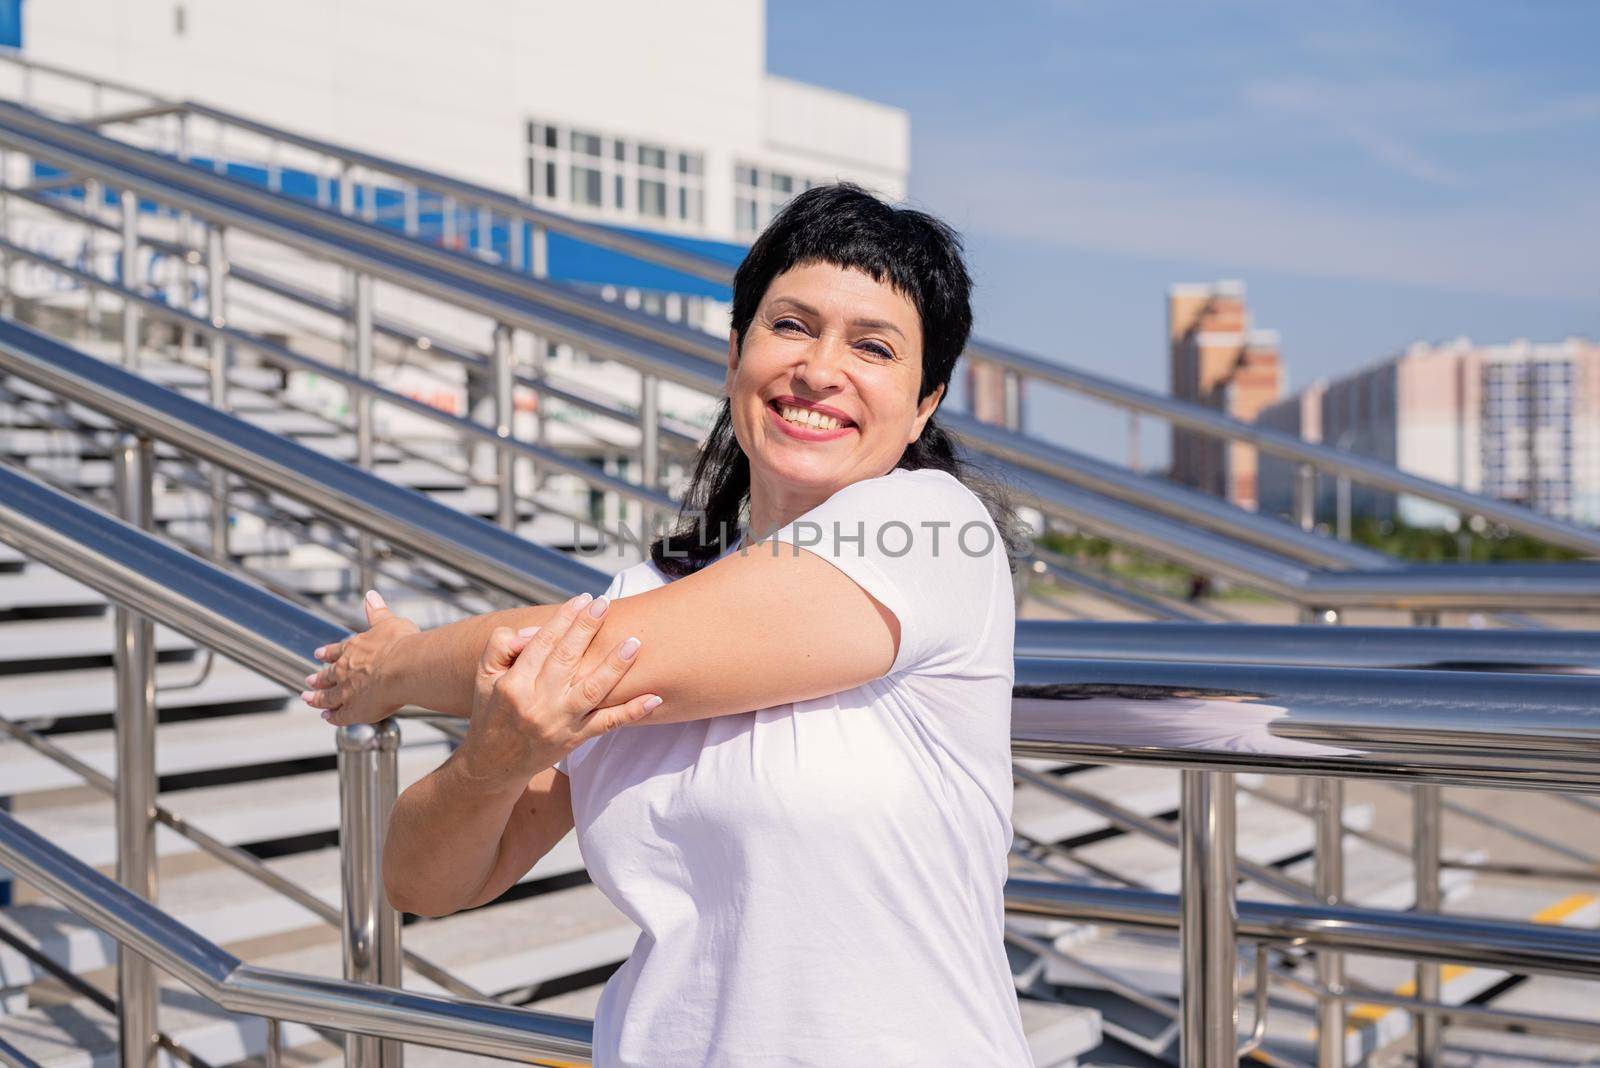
(530, 708)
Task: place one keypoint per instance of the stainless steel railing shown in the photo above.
(1529, 731)
(1176, 540)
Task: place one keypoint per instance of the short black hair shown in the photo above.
(846, 226)
(909, 250)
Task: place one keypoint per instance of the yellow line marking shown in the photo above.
(1367, 1013)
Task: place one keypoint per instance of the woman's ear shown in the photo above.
(733, 362)
(925, 409)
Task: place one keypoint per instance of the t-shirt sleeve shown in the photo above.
(617, 589)
(924, 546)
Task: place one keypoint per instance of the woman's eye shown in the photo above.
(787, 324)
(877, 349)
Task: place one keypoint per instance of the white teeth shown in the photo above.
(808, 417)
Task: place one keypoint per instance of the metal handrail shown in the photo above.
(1432, 648)
(491, 285)
(1532, 731)
(482, 1027)
(477, 549)
(1424, 588)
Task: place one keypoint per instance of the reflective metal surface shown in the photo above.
(468, 1026)
(396, 513)
(1436, 648)
(1539, 731)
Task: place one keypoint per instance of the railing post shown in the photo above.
(1011, 400)
(217, 313)
(135, 665)
(347, 189)
(1426, 848)
(1328, 875)
(504, 426)
(517, 250)
(1209, 920)
(8, 305)
(1133, 442)
(411, 213)
(649, 445)
(93, 198)
(483, 231)
(1305, 496)
(130, 268)
(447, 222)
(541, 252)
(368, 782)
(1342, 506)
(361, 401)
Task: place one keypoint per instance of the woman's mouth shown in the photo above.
(807, 424)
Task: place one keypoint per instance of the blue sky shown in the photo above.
(1375, 173)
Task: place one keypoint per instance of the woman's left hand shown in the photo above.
(351, 688)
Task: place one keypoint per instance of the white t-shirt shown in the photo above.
(820, 883)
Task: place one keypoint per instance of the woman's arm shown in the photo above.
(467, 831)
(753, 630)
(392, 664)
(457, 841)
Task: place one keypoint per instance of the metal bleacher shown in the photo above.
(266, 312)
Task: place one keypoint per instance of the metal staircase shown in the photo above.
(321, 327)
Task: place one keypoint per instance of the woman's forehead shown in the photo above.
(829, 289)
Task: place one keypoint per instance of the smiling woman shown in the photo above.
(784, 740)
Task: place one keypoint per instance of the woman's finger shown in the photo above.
(568, 650)
(329, 653)
(501, 650)
(377, 610)
(598, 684)
(614, 716)
(534, 655)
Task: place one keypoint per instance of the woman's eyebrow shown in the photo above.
(871, 324)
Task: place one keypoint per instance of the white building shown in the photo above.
(647, 114)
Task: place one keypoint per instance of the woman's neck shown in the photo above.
(771, 509)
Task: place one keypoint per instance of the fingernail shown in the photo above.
(598, 608)
(650, 703)
(306, 696)
(327, 716)
(629, 647)
(582, 599)
(311, 679)
(527, 632)
(318, 651)
(374, 599)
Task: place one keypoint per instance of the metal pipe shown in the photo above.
(1208, 929)
(130, 270)
(1329, 879)
(216, 311)
(1524, 948)
(1011, 401)
(649, 449)
(1434, 648)
(395, 513)
(1427, 845)
(1305, 496)
(361, 366)
(135, 666)
(367, 782)
(540, 247)
(505, 464)
(464, 1026)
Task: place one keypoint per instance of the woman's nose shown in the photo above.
(822, 366)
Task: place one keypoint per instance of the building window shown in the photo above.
(759, 193)
(615, 176)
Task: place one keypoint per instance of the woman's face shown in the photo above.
(824, 392)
